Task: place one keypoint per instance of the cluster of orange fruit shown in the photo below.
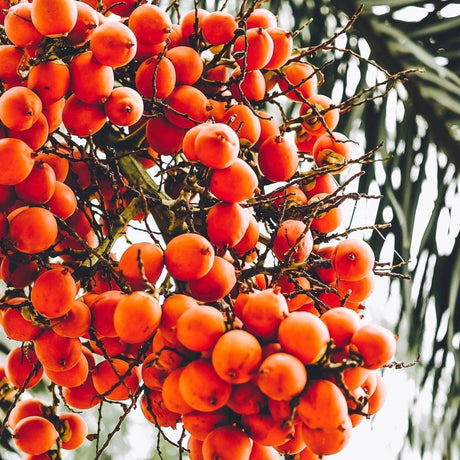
(255, 339)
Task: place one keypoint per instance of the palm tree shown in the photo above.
(415, 43)
(419, 123)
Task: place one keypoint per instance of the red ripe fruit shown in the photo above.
(223, 182)
(278, 159)
(353, 259)
(16, 156)
(113, 44)
(293, 240)
(376, 344)
(227, 223)
(304, 335)
(20, 108)
(189, 256)
(301, 78)
(259, 47)
(35, 435)
(263, 313)
(333, 151)
(53, 292)
(217, 145)
(187, 64)
(156, 77)
(33, 230)
(218, 27)
(147, 255)
(187, 106)
(38, 187)
(164, 137)
(217, 283)
(150, 24)
(54, 18)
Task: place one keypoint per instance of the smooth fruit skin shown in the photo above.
(236, 356)
(73, 377)
(16, 327)
(218, 27)
(304, 335)
(54, 18)
(124, 107)
(150, 24)
(227, 443)
(189, 256)
(217, 283)
(187, 106)
(260, 452)
(19, 28)
(150, 256)
(136, 317)
(87, 21)
(330, 219)
(25, 408)
(283, 44)
(95, 90)
(342, 323)
(22, 366)
(16, 155)
(226, 224)
(199, 328)
(154, 410)
(263, 313)
(244, 122)
(202, 388)
(75, 432)
(323, 406)
(259, 49)
(50, 80)
(200, 424)
(54, 292)
(35, 435)
(282, 376)
(84, 396)
(171, 394)
(278, 159)
(113, 44)
(156, 77)
(36, 136)
(20, 108)
(327, 442)
(56, 352)
(223, 182)
(293, 240)
(217, 146)
(376, 344)
(33, 230)
(164, 137)
(332, 151)
(353, 259)
(300, 75)
(377, 399)
(112, 380)
(187, 63)
(81, 119)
